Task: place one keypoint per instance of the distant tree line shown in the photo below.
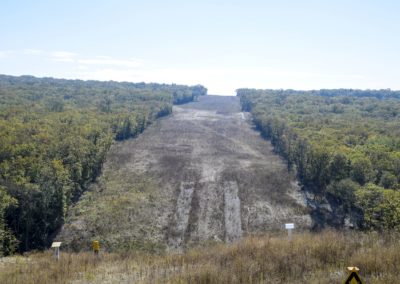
(343, 145)
(54, 137)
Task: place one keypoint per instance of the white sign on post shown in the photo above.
(56, 246)
(289, 226)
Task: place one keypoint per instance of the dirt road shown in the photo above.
(201, 174)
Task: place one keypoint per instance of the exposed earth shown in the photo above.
(202, 174)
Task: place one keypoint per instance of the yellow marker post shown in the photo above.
(96, 247)
(353, 277)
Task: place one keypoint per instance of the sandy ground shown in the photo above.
(202, 174)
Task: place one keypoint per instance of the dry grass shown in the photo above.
(310, 258)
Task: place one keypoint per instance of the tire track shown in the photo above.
(183, 208)
(232, 216)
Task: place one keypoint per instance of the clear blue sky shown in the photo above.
(223, 45)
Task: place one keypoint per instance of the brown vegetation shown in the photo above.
(309, 258)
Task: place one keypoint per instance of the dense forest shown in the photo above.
(343, 144)
(54, 137)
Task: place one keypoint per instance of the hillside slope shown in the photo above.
(201, 174)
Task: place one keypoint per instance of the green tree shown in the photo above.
(8, 242)
(339, 167)
(318, 170)
(381, 207)
(361, 170)
(344, 190)
(388, 180)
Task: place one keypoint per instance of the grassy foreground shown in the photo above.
(309, 258)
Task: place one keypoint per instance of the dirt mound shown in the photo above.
(201, 174)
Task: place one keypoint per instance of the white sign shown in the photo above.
(289, 226)
(56, 244)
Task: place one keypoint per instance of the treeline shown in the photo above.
(379, 94)
(343, 144)
(54, 137)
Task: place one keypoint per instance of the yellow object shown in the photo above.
(353, 277)
(96, 245)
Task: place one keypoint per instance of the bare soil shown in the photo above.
(202, 174)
